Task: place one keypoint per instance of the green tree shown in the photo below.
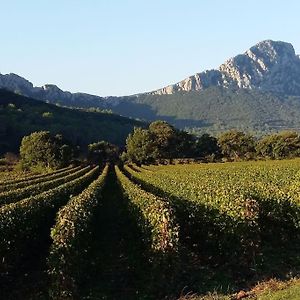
(207, 145)
(141, 146)
(166, 138)
(237, 145)
(102, 152)
(161, 140)
(279, 145)
(42, 150)
(64, 152)
(185, 145)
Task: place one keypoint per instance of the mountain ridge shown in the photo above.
(265, 78)
(49, 92)
(261, 67)
(245, 70)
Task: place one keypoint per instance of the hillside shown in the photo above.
(258, 91)
(216, 109)
(20, 116)
(49, 92)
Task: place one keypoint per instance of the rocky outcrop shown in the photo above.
(269, 66)
(15, 83)
(50, 93)
(197, 82)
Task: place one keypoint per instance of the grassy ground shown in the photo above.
(276, 290)
(268, 290)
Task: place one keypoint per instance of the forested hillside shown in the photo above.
(19, 116)
(216, 109)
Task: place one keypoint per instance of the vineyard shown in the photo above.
(148, 232)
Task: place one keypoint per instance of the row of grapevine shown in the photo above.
(70, 239)
(154, 215)
(19, 178)
(267, 192)
(24, 183)
(25, 225)
(189, 217)
(22, 193)
(234, 235)
(273, 185)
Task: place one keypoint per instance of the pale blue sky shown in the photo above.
(122, 47)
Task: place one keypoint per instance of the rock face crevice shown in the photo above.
(269, 66)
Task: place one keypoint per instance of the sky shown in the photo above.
(123, 47)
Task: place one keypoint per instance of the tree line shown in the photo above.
(160, 141)
(163, 141)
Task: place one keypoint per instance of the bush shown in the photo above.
(40, 150)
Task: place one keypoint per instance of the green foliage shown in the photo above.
(215, 110)
(215, 220)
(70, 240)
(13, 195)
(165, 138)
(160, 141)
(28, 176)
(41, 149)
(289, 292)
(124, 157)
(228, 209)
(19, 183)
(285, 144)
(78, 126)
(102, 152)
(141, 146)
(95, 109)
(185, 145)
(266, 290)
(154, 216)
(37, 149)
(207, 145)
(237, 145)
(24, 224)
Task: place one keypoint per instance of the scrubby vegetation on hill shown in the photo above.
(217, 109)
(20, 116)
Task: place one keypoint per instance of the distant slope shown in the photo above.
(20, 116)
(258, 90)
(217, 109)
(49, 92)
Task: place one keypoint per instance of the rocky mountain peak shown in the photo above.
(249, 70)
(15, 82)
(267, 66)
(273, 51)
